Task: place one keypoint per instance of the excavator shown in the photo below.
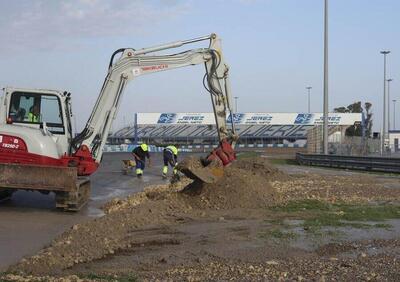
(39, 152)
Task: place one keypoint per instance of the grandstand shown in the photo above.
(188, 129)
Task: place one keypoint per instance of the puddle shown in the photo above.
(311, 240)
(113, 193)
(94, 212)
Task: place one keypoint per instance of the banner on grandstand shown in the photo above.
(250, 118)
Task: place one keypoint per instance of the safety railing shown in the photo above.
(351, 162)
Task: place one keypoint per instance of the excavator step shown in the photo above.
(72, 192)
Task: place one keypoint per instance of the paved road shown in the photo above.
(29, 221)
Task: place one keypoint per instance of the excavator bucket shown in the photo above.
(72, 192)
(210, 169)
(194, 169)
(203, 174)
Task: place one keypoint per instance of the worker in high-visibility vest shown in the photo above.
(140, 154)
(34, 114)
(170, 155)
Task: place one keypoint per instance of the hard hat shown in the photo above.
(144, 147)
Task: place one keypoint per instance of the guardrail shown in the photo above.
(360, 163)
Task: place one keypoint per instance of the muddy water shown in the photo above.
(29, 220)
(311, 241)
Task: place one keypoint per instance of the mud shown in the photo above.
(196, 232)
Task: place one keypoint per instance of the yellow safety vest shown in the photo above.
(173, 149)
(33, 118)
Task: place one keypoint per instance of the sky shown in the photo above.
(274, 49)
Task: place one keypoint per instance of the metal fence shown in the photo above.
(355, 146)
(351, 162)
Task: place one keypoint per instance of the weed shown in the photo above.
(383, 225)
(246, 155)
(304, 205)
(318, 214)
(107, 277)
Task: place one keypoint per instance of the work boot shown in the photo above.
(164, 175)
(175, 178)
(139, 175)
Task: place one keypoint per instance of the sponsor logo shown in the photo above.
(155, 68)
(166, 118)
(237, 118)
(259, 119)
(197, 119)
(303, 119)
(331, 120)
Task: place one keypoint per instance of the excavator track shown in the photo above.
(72, 192)
(74, 200)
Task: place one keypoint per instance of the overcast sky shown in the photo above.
(274, 48)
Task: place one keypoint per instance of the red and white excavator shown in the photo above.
(39, 152)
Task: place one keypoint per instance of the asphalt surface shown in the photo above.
(29, 220)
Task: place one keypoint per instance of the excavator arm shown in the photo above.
(133, 63)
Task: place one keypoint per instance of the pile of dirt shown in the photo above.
(239, 188)
(260, 166)
(243, 186)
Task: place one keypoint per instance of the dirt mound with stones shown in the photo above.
(244, 185)
(260, 166)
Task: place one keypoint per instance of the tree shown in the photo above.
(356, 107)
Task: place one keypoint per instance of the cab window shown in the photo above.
(37, 108)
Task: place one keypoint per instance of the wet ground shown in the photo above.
(29, 221)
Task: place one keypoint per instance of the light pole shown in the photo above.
(388, 99)
(236, 98)
(308, 92)
(383, 137)
(326, 78)
(394, 114)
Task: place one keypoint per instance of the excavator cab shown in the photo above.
(33, 109)
(38, 117)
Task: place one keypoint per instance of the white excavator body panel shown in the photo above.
(48, 135)
(36, 141)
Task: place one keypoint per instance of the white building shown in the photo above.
(394, 140)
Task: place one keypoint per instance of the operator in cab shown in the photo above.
(170, 156)
(140, 153)
(34, 114)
